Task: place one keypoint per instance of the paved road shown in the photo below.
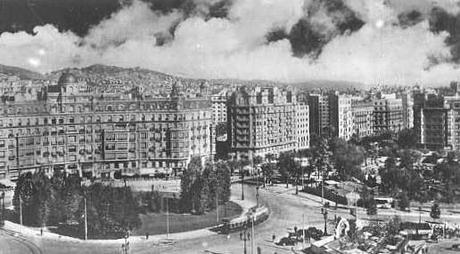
(287, 211)
(11, 244)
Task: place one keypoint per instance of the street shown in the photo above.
(287, 211)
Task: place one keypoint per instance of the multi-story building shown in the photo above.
(319, 114)
(363, 122)
(219, 107)
(341, 115)
(407, 110)
(430, 120)
(266, 120)
(452, 107)
(388, 114)
(77, 128)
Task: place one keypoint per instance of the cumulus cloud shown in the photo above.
(235, 45)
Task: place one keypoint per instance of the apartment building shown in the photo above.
(341, 115)
(76, 127)
(265, 120)
(363, 122)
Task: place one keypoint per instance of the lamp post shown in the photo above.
(242, 185)
(419, 219)
(125, 246)
(245, 236)
(257, 196)
(324, 212)
(2, 222)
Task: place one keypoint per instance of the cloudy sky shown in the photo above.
(370, 41)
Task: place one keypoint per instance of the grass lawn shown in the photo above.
(155, 223)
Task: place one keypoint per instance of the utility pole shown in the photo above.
(242, 185)
(217, 205)
(167, 218)
(86, 220)
(303, 231)
(324, 212)
(257, 195)
(2, 222)
(253, 238)
(20, 209)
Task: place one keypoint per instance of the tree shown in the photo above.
(435, 211)
(188, 186)
(404, 202)
(286, 166)
(256, 160)
(224, 180)
(371, 206)
(268, 170)
(347, 159)
(321, 155)
(407, 138)
(368, 201)
(34, 190)
(394, 226)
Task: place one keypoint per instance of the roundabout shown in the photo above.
(286, 211)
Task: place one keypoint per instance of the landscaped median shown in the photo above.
(248, 208)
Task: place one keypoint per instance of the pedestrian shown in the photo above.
(41, 231)
(241, 235)
(273, 238)
(295, 229)
(147, 236)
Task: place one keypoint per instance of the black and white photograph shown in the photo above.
(229, 126)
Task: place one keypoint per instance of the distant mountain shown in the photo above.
(327, 84)
(105, 70)
(20, 72)
(140, 76)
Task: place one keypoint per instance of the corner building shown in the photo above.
(77, 128)
(266, 121)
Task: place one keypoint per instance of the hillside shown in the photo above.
(20, 72)
(102, 74)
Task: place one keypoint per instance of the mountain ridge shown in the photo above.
(116, 71)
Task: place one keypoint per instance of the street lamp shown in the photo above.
(125, 246)
(2, 222)
(245, 236)
(324, 212)
(257, 195)
(242, 185)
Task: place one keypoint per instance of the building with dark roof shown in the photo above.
(74, 127)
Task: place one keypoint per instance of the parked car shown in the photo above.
(455, 247)
(311, 232)
(286, 241)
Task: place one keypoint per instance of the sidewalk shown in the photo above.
(156, 239)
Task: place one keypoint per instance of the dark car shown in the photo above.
(455, 247)
(286, 241)
(311, 232)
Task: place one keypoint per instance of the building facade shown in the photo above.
(319, 114)
(266, 120)
(219, 107)
(363, 124)
(341, 116)
(388, 115)
(76, 128)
